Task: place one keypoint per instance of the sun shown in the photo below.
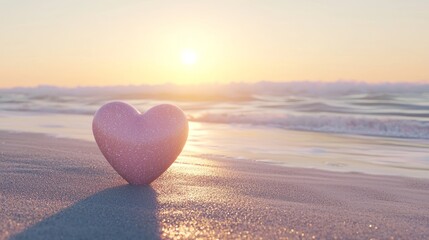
(189, 57)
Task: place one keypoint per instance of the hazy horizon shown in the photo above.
(316, 83)
(202, 84)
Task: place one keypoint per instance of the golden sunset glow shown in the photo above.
(113, 43)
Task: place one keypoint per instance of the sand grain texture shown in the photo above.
(64, 189)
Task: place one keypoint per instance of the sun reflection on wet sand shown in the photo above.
(344, 153)
(202, 198)
(281, 147)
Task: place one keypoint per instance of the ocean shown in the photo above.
(340, 126)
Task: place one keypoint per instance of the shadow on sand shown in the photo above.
(125, 212)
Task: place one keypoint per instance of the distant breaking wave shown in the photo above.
(328, 124)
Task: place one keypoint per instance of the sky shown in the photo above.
(123, 42)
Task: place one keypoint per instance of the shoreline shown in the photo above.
(416, 171)
(53, 187)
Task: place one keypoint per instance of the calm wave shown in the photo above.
(390, 110)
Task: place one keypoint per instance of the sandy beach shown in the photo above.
(52, 188)
(214, 120)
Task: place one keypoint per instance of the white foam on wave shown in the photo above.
(385, 127)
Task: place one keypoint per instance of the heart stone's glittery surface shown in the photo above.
(140, 147)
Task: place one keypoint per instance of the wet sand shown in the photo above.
(54, 188)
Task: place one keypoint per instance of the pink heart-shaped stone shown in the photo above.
(140, 147)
